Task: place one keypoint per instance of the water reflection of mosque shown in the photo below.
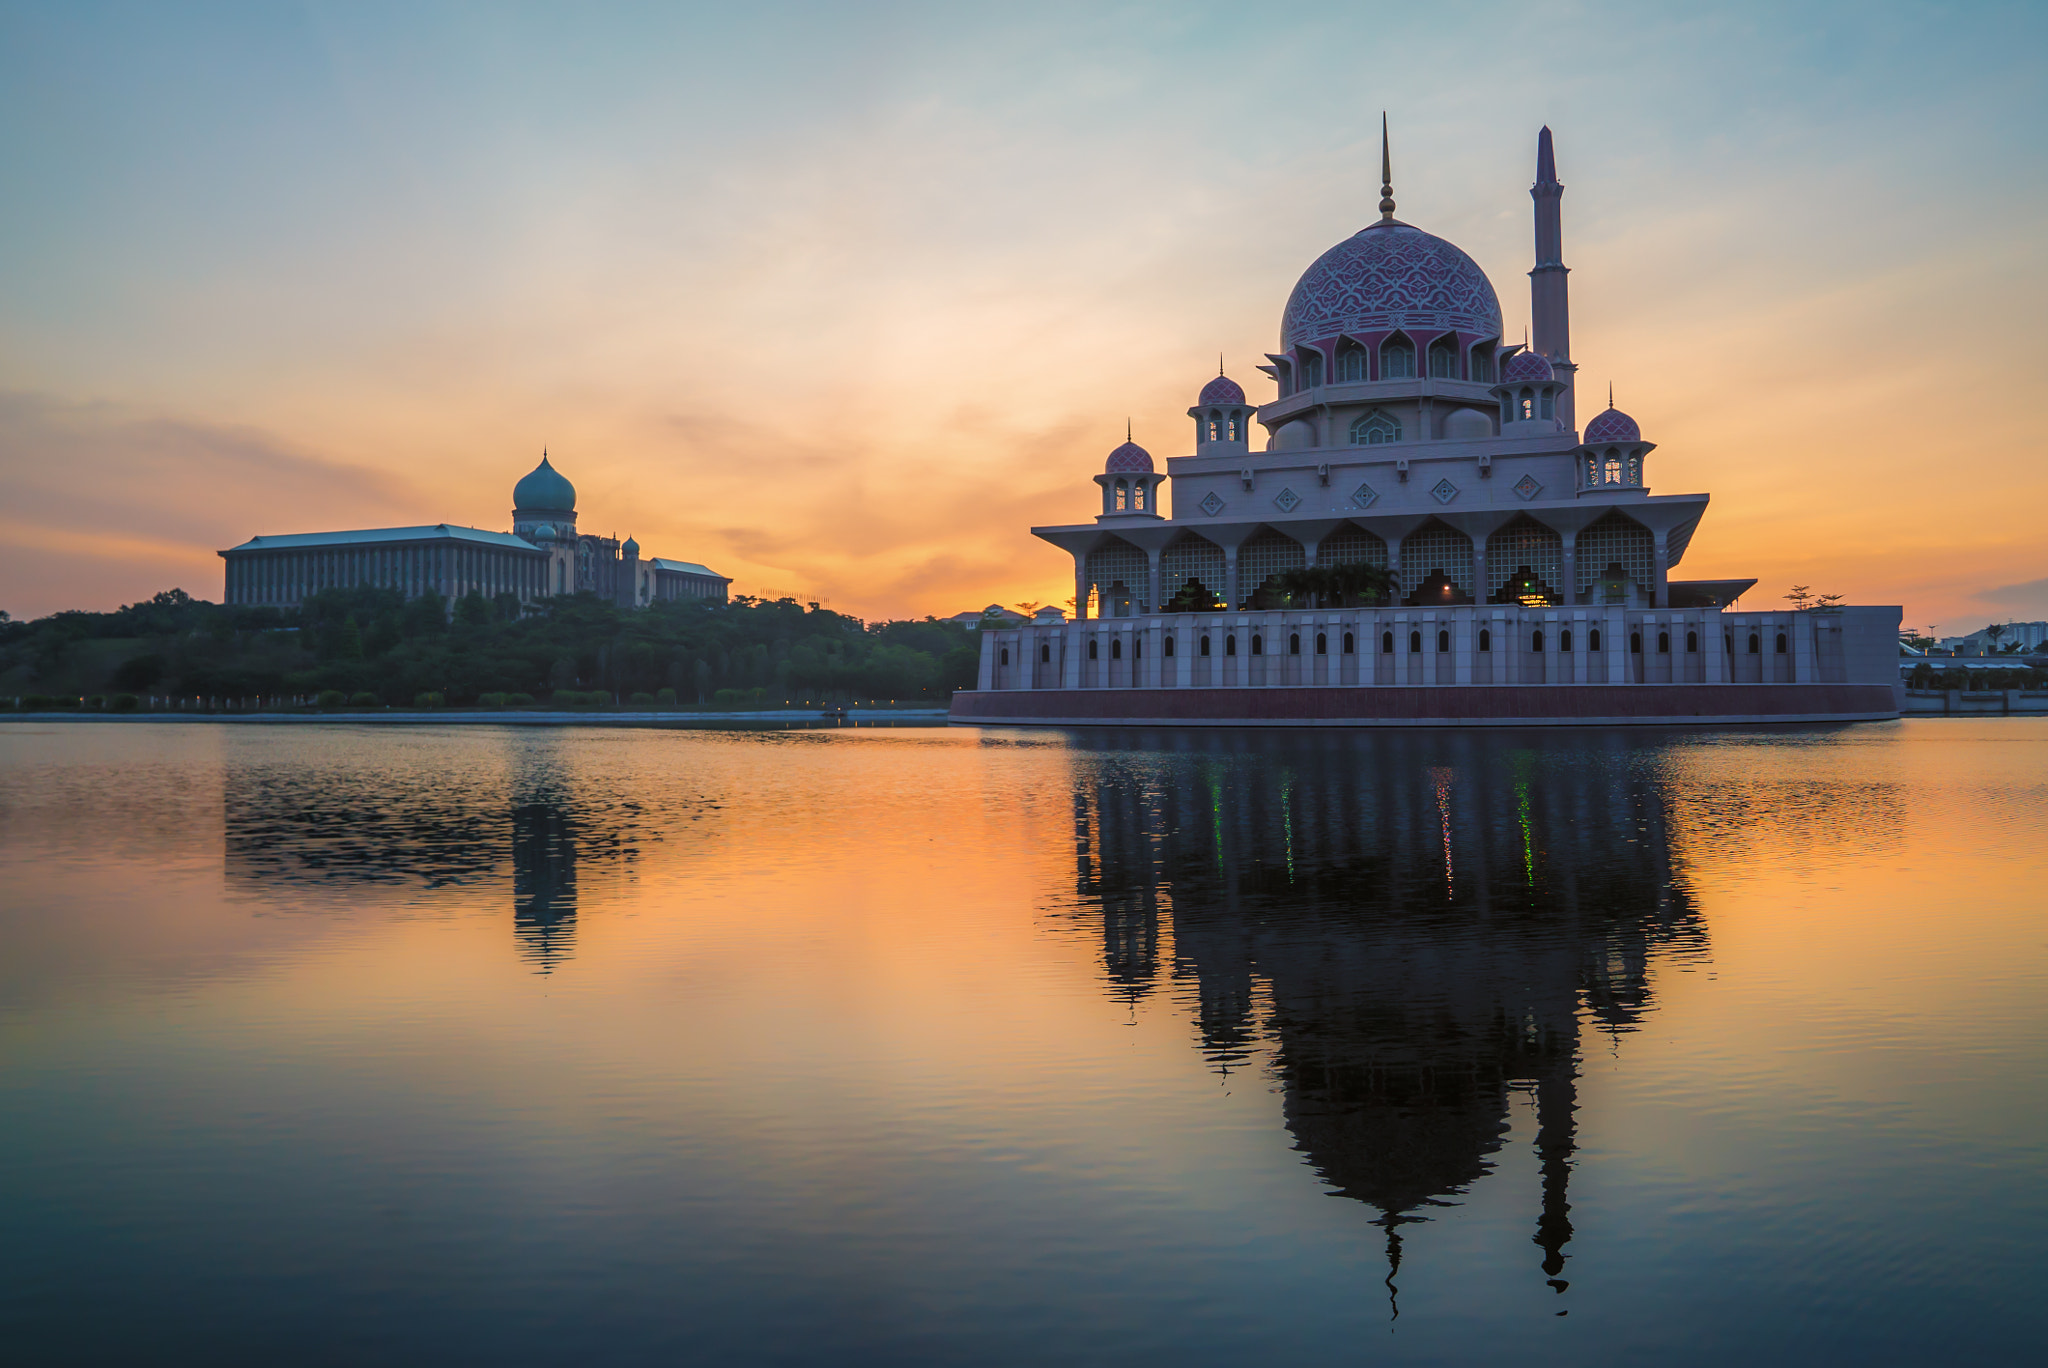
(1415, 928)
(359, 824)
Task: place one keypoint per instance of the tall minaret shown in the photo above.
(1549, 308)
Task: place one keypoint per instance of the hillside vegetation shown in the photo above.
(367, 641)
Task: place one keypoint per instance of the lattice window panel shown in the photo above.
(1524, 542)
(1191, 557)
(1267, 554)
(1119, 560)
(1352, 546)
(1434, 548)
(1616, 538)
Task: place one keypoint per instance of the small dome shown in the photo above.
(1467, 423)
(1128, 459)
(1298, 435)
(1221, 390)
(545, 532)
(545, 489)
(1612, 425)
(1525, 366)
(631, 548)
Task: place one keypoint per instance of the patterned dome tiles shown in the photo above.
(1612, 425)
(1390, 276)
(1221, 390)
(1129, 459)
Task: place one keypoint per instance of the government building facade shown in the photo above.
(1510, 553)
(541, 557)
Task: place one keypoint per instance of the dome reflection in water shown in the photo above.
(1405, 931)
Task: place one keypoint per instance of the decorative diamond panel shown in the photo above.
(1445, 491)
(1365, 496)
(1211, 503)
(1285, 500)
(1528, 487)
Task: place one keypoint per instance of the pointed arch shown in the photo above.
(1353, 361)
(1524, 547)
(1352, 545)
(1617, 558)
(1120, 577)
(1377, 427)
(1443, 358)
(1264, 556)
(1397, 357)
(1436, 565)
(1191, 556)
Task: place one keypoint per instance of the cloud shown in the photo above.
(2031, 595)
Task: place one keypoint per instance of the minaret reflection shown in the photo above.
(1414, 929)
(543, 883)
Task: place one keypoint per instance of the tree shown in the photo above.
(1800, 597)
(1193, 597)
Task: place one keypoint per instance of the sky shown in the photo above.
(841, 299)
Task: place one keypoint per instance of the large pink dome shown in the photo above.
(1129, 459)
(1612, 425)
(1221, 390)
(1385, 277)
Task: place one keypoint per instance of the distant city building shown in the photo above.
(994, 614)
(2000, 636)
(541, 557)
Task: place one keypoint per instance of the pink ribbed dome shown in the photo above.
(1221, 390)
(1612, 425)
(1525, 366)
(1129, 459)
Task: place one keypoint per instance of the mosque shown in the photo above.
(1424, 534)
(542, 556)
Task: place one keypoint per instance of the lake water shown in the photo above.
(332, 1044)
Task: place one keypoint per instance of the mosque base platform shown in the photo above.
(1424, 705)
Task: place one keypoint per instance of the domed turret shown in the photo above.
(1222, 417)
(1530, 391)
(1130, 488)
(1612, 450)
(631, 550)
(544, 502)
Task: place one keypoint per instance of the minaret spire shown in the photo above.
(1127, 429)
(1549, 305)
(1386, 173)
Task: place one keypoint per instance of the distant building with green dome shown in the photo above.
(541, 557)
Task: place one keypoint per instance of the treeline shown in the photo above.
(373, 642)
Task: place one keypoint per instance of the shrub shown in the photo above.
(667, 696)
(726, 698)
(332, 698)
(124, 702)
(362, 700)
(491, 700)
(519, 700)
(565, 698)
(643, 698)
(96, 701)
(428, 700)
(140, 672)
(601, 697)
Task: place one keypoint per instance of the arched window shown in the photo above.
(1443, 359)
(1166, 648)
(1116, 649)
(1348, 644)
(1294, 643)
(1663, 643)
(1482, 363)
(1635, 643)
(1781, 643)
(1092, 643)
(1005, 654)
(1592, 470)
(1258, 644)
(1375, 429)
(1205, 644)
(1215, 425)
(1692, 642)
(1593, 639)
(1351, 365)
(1311, 368)
(1230, 644)
(1485, 639)
(1549, 403)
(1322, 644)
(1045, 654)
(1564, 641)
(1536, 641)
(1138, 495)
(1443, 642)
(1525, 406)
(1754, 645)
(1386, 643)
(1414, 643)
(1123, 496)
(1611, 472)
(1397, 359)
(1635, 469)
(1230, 426)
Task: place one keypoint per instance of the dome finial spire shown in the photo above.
(1386, 173)
(1219, 363)
(1127, 429)
(1610, 394)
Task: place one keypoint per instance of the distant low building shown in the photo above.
(2031, 636)
(541, 557)
(995, 614)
